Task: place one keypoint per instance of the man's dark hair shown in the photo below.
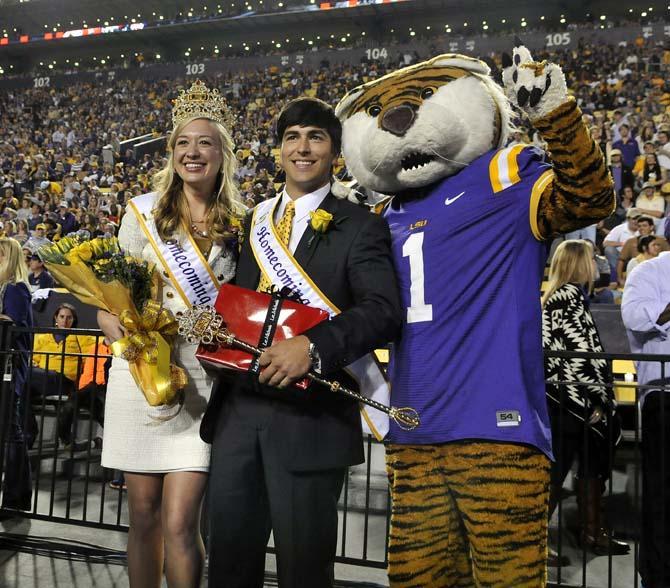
(310, 112)
(645, 219)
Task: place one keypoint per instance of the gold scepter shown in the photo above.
(202, 324)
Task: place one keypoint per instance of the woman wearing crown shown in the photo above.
(184, 227)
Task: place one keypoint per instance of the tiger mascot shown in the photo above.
(470, 220)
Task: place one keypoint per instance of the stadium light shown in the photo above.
(603, 17)
(643, 14)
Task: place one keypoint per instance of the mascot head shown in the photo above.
(422, 123)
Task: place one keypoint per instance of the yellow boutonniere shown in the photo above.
(319, 220)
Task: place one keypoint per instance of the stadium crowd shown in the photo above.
(54, 180)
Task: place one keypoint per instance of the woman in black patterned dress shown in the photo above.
(583, 423)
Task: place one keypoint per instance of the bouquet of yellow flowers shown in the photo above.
(99, 273)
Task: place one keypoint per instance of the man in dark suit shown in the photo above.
(279, 456)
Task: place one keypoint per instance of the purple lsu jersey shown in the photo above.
(469, 259)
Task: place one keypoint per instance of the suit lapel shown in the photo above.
(303, 253)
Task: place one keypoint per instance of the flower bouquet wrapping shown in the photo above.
(99, 273)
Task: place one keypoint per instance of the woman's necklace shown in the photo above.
(194, 226)
(197, 231)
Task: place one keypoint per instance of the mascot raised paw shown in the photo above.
(469, 220)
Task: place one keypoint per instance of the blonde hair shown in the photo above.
(171, 211)
(12, 264)
(572, 262)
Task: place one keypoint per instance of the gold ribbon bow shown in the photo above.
(148, 353)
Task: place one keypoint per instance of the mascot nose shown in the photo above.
(398, 120)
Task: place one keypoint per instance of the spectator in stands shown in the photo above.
(621, 173)
(89, 392)
(651, 171)
(57, 361)
(645, 311)
(626, 201)
(649, 202)
(645, 226)
(22, 232)
(617, 237)
(581, 417)
(663, 150)
(36, 216)
(15, 307)
(600, 291)
(265, 161)
(249, 168)
(627, 145)
(66, 219)
(39, 276)
(39, 238)
(647, 248)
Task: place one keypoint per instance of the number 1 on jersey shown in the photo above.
(418, 311)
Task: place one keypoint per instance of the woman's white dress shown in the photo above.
(133, 441)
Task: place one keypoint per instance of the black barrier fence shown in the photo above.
(610, 506)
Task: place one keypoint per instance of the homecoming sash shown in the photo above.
(276, 261)
(189, 271)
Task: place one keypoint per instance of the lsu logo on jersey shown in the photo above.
(418, 224)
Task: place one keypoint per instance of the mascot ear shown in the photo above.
(342, 108)
(461, 62)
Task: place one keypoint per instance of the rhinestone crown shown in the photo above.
(201, 102)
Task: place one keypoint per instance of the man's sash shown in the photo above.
(189, 271)
(278, 264)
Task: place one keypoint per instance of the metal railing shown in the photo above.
(68, 484)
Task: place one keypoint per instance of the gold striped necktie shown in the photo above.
(284, 227)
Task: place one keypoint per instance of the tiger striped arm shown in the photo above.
(582, 191)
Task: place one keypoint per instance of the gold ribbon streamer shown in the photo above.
(148, 353)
